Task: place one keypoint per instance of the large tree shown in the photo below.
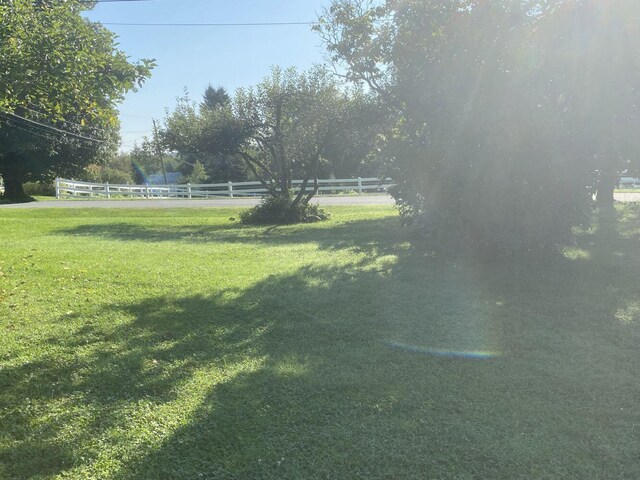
(289, 118)
(214, 98)
(591, 64)
(495, 139)
(207, 135)
(61, 79)
(354, 135)
(282, 129)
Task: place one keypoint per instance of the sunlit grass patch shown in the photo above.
(629, 314)
(575, 253)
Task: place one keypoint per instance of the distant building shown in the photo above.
(173, 178)
(629, 182)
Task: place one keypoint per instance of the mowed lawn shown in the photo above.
(178, 344)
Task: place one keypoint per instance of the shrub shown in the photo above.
(45, 189)
(278, 210)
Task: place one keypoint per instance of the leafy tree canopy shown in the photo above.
(61, 79)
(288, 119)
(292, 125)
(505, 110)
(214, 97)
(208, 138)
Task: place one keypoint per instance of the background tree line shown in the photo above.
(289, 122)
(234, 138)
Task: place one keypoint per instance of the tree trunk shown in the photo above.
(606, 187)
(13, 187)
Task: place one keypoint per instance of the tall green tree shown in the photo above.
(61, 79)
(354, 136)
(214, 98)
(498, 108)
(288, 120)
(287, 127)
(206, 136)
(591, 62)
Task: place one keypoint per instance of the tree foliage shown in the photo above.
(208, 136)
(292, 125)
(61, 79)
(592, 66)
(351, 148)
(116, 170)
(499, 113)
(287, 120)
(214, 98)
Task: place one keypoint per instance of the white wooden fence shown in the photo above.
(74, 189)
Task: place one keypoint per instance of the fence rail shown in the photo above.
(74, 189)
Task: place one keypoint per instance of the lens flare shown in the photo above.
(140, 172)
(469, 354)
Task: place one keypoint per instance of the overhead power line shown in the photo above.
(112, 1)
(248, 24)
(11, 124)
(95, 129)
(50, 127)
(27, 127)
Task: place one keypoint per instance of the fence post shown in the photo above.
(359, 186)
(106, 186)
(231, 189)
(189, 190)
(146, 190)
(57, 188)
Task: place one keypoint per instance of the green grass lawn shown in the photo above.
(177, 344)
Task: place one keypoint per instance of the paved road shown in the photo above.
(230, 202)
(219, 202)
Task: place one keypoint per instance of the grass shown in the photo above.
(177, 344)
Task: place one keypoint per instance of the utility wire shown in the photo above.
(8, 122)
(245, 24)
(48, 136)
(37, 134)
(52, 128)
(132, 115)
(31, 132)
(58, 130)
(248, 24)
(111, 1)
(32, 128)
(96, 129)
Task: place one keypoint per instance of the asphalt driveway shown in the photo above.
(179, 203)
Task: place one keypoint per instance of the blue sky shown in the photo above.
(193, 57)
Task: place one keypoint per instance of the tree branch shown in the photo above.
(253, 163)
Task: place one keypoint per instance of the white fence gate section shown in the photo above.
(74, 189)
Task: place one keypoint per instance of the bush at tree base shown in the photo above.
(278, 210)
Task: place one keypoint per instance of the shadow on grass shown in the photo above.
(354, 373)
(360, 235)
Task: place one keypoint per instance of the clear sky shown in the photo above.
(193, 57)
